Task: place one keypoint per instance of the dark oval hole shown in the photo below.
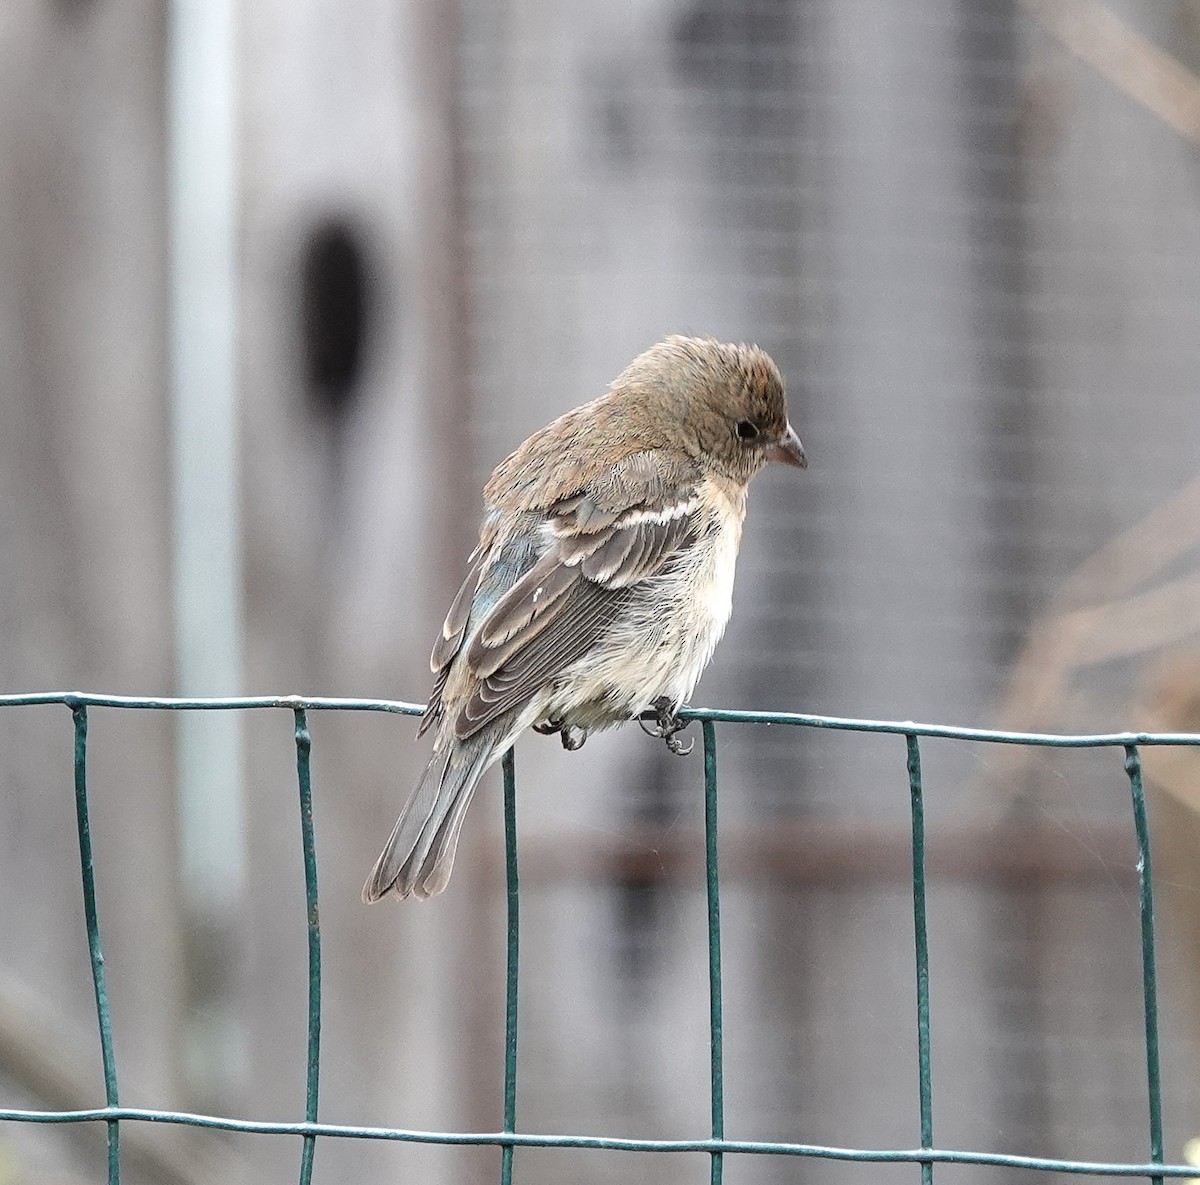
(334, 300)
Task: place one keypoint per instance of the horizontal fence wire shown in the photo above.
(718, 1145)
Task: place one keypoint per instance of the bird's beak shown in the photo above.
(789, 450)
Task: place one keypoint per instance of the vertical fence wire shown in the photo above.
(921, 943)
(312, 1082)
(1133, 768)
(713, 884)
(511, 964)
(92, 921)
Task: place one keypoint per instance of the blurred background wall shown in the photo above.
(968, 230)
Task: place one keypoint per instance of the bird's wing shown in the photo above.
(592, 550)
(494, 569)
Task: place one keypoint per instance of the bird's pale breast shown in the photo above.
(666, 634)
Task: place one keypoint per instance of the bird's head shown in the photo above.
(722, 403)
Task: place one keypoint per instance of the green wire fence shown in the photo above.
(717, 1145)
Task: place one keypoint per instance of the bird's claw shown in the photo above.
(571, 735)
(662, 722)
(676, 746)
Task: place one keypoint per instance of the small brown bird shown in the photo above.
(602, 582)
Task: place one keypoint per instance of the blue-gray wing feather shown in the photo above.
(558, 584)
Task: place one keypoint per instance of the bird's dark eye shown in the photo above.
(746, 429)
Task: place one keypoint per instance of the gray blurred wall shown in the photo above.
(974, 258)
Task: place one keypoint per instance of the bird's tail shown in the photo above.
(418, 856)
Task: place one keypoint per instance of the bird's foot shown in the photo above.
(571, 735)
(662, 721)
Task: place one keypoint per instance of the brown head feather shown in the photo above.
(718, 405)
